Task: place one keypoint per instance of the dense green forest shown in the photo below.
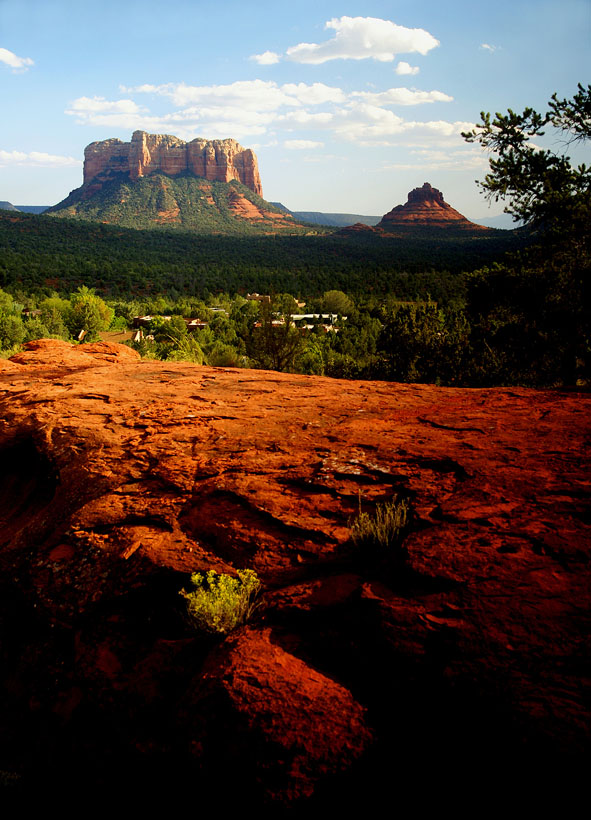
(453, 310)
(42, 254)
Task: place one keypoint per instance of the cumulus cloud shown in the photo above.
(361, 38)
(36, 159)
(314, 94)
(298, 145)
(255, 108)
(402, 96)
(406, 68)
(16, 63)
(266, 58)
(305, 119)
(87, 105)
(239, 109)
(116, 114)
(259, 95)
(488, 47)
(236, 110)
(369, 124)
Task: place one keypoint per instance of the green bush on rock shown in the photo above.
(220, 603)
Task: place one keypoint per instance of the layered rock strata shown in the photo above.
(215, 160)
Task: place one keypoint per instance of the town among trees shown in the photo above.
(505, 309)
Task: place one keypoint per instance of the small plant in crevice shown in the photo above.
(219, 603)
(381, 533)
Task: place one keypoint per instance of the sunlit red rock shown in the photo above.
(119, 477)
(426, 207)
(216, 160)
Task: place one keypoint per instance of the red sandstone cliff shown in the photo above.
(427, 208)
(215, 160)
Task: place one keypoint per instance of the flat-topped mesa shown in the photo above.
(426, 207)
(215, 160)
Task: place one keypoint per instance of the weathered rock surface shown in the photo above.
(426, 208)
(119, 477)
(306, 725)
(216, 160)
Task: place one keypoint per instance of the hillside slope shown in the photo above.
(183, 202)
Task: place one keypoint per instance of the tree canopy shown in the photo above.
(541, 186)
(88, 313)
(531, 315)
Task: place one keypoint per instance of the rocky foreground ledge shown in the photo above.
(119, 477)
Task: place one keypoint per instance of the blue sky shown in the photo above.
(348, 105)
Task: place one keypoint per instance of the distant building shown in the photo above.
(192, 324)
(328, 318)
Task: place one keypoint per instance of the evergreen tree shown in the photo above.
(531, 316)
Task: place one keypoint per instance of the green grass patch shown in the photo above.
(382, 531)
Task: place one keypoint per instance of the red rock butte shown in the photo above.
(215, 160)
(426, 207)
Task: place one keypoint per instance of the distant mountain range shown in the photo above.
(500, 222)
(27, 209)
(332, 220)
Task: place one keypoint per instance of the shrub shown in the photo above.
(383, 531)
(220, 603)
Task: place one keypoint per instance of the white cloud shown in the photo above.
(257, 108)
(36, 159)
(360, 38)
(488, 47)
(115, 114)
(305, 118)
(220, 117)
(266, 58)
(259, 95)
(406, 68)
(16, 63)
(146, 88)
(430, 159)
(402, 96)
(314, 94)
(84, 106)
(298, 145)
(239, 109)
(369, 124)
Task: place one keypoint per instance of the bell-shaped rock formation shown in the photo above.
(215, 160)
(426, 207)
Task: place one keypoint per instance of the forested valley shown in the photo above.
(397, 318)
(495, 308)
